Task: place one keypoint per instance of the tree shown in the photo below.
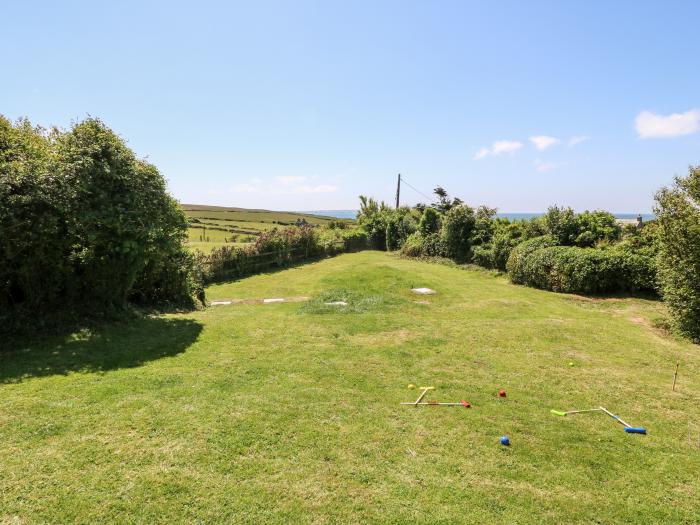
(678, 216)
(444, 203)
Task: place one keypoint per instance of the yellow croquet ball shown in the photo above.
(411, 386)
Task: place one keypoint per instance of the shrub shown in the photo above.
(596, 226)
(373, 217)
(484, 255)
(413, 247)
(429, 222)
(457, 228)
(584, 230)
(418, 245)
(678, 216)
(334, 241)
(506, 236)
(83, 221)
(516, 260)
(572, 269)
(561, 224)
(393, 242)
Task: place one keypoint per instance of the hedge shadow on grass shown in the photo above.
(125, 344)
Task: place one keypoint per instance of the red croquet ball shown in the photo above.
(501, 393)
(466, 404)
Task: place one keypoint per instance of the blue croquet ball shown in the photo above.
(505, 441)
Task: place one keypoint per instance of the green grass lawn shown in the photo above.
(289, 413)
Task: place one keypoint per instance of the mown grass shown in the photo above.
(289, 413)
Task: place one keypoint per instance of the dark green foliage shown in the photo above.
(419, 245)
(678, 212)
(516, 261)
(584, 230)
(572, 269)
(444, 203)
(334, 241)
(560, 223)
(83, 220)
(175, 279)
(505, 236)
(457, 229)
(373, 218)
(34, 243)
(429, 222)
(393, 241)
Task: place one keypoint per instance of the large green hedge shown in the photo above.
(85, 224)
(583, 270)
(678, 211)
(518, 256)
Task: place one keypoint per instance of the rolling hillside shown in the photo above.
(215, 226)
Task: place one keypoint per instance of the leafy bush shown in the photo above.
(583, 229)
(457, 228)
(413, 247)
(519, 254)
(505, 236)
(84, 220)
(418, 245)
(278, 249)
(572, 269)
(678, 215)
(34, 244)
(429, 222)
(334, 241)
(373, 218)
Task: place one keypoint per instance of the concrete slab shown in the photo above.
(423, 291)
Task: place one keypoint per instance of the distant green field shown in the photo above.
(218, 226)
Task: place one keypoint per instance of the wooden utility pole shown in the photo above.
(398, 191)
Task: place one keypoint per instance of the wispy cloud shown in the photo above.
(651, 125)
(291, 179)
(577, 139)
(542, 142)
(498, 148)
(544, 167)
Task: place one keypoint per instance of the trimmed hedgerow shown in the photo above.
(584, 270)
(517, 257)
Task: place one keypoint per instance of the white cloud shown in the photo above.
(499, 147)
(650, 125)
(577, 139)
(542, 142)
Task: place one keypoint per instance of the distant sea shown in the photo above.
(351, 214)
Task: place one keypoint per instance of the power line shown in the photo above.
(415, 189)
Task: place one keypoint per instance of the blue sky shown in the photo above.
(305, 105)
